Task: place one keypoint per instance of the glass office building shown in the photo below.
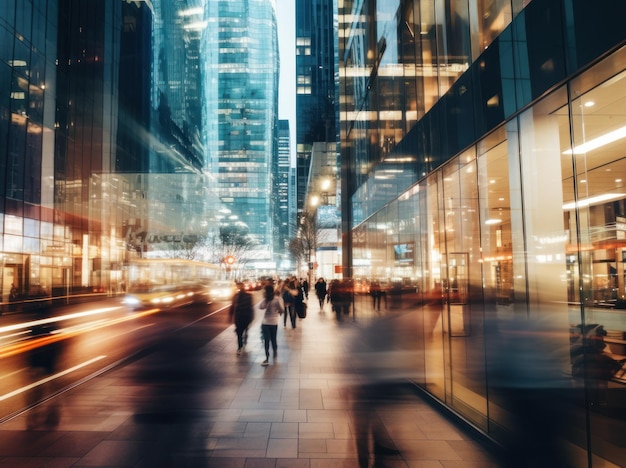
(284, 220)
(241, 95)
(484, 182)
(106, 151)
(316, 84)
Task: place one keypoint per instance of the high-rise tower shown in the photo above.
(241, 113)
(316, 83)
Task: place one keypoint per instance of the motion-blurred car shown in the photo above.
(165, 296)
(221, 290)
(251, 285)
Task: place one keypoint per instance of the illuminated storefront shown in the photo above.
(499, 213)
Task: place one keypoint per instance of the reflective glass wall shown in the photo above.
(100, 102)
(495, 223)
(241, 50)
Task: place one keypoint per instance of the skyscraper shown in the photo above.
(177, 89)
(240, 48)
(316, 83)
(283, 217)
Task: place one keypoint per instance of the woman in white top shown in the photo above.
(269, 325)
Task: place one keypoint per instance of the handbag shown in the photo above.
(302, 311)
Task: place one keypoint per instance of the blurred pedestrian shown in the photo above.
(528, 355)
(289, 293)
(43, 360)
(320, 292)
(242, 314)
(305, 287)
(341, 297)
(14, 296)
(269, 326)
(381, 359)
(299, 304)
(376, 293)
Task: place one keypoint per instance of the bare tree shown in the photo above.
(233, 242)
(306, 240)
(191, 247)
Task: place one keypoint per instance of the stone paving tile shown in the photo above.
(295, 416)
(312, 446)
(111, 453)
(282, 448)
(293, 463)
(286, 430)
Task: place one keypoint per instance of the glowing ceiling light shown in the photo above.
(593, 200)
(599, 142)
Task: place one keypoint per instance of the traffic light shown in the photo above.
(229, 260)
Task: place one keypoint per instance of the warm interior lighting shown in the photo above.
(599, 142)
(399, 160)
(493, 221)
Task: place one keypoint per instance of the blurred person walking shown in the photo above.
(320, 292)
(288, 295)
(305, 287)
(242, 314)
(299, 304)
(381, 360)
(377, 293)
(269, 326)
(341, 297)
(528, 355)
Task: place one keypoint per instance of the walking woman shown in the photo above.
(269, 325)
(320, 291)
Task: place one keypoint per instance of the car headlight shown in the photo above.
(131, 300)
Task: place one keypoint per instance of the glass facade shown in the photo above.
(284, 219)
(316, 84)
(242, 69)
(106, 152)
(492, 207)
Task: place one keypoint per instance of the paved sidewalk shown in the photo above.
(227, 410)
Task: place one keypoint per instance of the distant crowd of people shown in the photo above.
(286, 301)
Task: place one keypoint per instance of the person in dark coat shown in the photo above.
(341, 297)
(299, 305)
(320, 292)
(288, 295)
(242, 314)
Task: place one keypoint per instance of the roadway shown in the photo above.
(51, 351)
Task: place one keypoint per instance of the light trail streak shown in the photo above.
(6, 396)
(63, 334)
(34, 323)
